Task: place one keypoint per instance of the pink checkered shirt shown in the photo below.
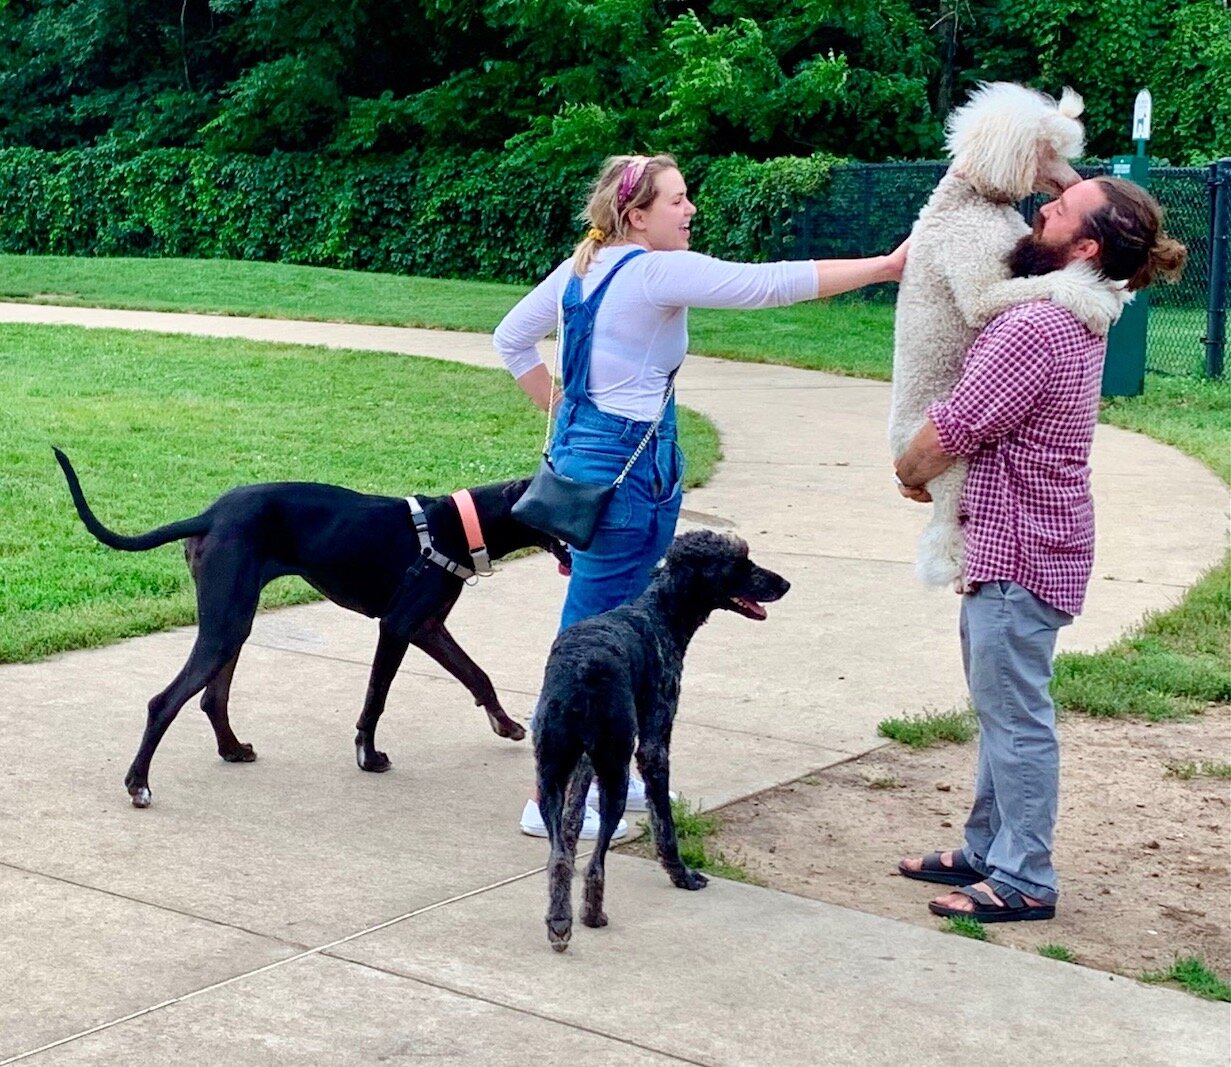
(1023, 414)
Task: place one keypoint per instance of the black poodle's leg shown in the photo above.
(554, 771)
(653, 765)
(613, 795)
(575, 801)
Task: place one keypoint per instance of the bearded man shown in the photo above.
(1023, 415)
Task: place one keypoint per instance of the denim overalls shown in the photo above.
(593, 446)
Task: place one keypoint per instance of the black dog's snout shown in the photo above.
(769, 586)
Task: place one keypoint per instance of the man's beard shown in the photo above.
(1030, 256)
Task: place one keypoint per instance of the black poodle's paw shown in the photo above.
(593, 917)
(687, 879)
(559, 933)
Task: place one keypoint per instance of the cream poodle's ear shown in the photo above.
(1071, 104)
(993, 139)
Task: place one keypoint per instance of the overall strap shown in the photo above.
(575, 334)
(572, 291)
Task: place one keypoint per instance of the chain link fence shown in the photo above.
(869, 208)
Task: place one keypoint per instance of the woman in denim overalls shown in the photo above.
(624, 295)
(590, 445)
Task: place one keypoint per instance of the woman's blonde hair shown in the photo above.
(624, 183)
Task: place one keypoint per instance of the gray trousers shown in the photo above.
(1008, 643)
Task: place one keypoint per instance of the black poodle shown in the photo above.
(615, 678)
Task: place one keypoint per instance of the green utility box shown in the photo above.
(1124, 371)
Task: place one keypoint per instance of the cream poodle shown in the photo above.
(1006, 142)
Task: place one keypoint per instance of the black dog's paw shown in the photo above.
(377, 762)
(503, 726)
(559, 933)
(595, 919)
(244, 753)
(689, 880)
(367, 757)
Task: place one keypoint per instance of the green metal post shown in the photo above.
(1124, 371)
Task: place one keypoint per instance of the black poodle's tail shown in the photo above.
(174, 531)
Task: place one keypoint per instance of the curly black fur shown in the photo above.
(614, 680)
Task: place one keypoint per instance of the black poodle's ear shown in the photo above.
(704, 549)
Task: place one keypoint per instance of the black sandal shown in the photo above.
(961, 873)
(986, 910)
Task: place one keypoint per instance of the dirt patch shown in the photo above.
(1143, 855)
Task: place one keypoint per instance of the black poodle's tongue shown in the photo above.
(750, 607)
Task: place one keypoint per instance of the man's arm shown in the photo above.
(922, 461)
(1003, 376)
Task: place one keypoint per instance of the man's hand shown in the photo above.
(918, 493)
(922, 460)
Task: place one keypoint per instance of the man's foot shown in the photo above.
(532, 824)
(991, 901)
(943, 868)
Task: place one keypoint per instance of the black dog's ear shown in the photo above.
(513, 491)
(563, 555)
(703, 547)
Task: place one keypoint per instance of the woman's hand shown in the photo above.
(895, 262)
(835, 276)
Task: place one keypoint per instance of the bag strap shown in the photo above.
(551, 392)
(650, 432)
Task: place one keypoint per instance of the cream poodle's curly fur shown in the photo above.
(1006, 142)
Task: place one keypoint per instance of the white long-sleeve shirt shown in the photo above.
(641, 331)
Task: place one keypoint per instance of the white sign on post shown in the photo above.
(1141, 116)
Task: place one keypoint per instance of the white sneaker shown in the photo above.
(532, 824)
(636, 794)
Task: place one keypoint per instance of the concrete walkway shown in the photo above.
(297, 911)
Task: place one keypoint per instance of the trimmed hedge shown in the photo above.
(508, 217)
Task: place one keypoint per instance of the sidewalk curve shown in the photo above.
(297, 911)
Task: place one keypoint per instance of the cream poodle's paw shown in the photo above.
(941, 557)
(1079, 288)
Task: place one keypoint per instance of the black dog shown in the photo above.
(614, 679)
(359, 550)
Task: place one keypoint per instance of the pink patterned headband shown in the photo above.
(633, 170)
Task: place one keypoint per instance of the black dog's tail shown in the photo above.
(174, 531)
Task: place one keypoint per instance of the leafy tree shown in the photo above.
(1179, 49)
(869, 79)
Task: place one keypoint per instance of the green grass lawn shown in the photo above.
(158, 425)
(802, 335)
(266, 290)
(141, 417)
